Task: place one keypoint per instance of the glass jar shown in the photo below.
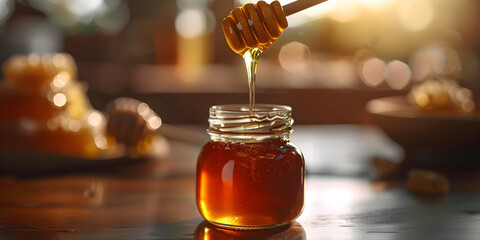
(249, 175)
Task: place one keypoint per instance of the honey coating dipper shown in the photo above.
(259, 25)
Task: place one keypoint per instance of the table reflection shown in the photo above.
(206, 231)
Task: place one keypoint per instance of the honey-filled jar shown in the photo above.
(249, 175)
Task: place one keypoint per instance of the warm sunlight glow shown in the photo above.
(416, 16)
(337, 198)
(319, 11)
(376, 5)
(344, 10)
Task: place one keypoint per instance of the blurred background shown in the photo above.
(328, 63)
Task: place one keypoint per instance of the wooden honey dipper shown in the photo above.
(259, 25)
(131, 122)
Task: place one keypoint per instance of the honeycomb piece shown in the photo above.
(41, 88)
(427, 182)
(77, 103)
(60, 135)
(33, 71)
(442, 95)
(44, 109)
(80, 137)
(20, 103)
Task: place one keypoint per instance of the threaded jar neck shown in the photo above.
(237, 123)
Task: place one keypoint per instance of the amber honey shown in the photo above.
(250, 176)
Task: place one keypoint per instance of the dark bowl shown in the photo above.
(412, 128)
(429, 139)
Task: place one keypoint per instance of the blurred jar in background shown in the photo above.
(194, 25)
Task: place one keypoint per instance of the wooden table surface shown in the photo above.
(155, 198)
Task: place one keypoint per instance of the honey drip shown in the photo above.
(251, 61)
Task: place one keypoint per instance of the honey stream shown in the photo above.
(251, 61)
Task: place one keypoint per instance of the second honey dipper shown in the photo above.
(259, 25)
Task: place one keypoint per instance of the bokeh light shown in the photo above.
(60, 81)
(59, 100)
(372, 71)
(101, 142)
(74, 125)
(194, 19)
(84, 9)
(114, 19)
(154, 122)
(95, 118)
(398, 74)
(191, 23)
(426, 62)
(143, 110)
(294, 56)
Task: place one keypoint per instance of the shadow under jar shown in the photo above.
(250, 176)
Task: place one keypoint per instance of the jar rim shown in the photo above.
(236, 121)
(243, 108)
